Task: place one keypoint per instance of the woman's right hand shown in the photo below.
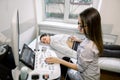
(51, 60)
(73, 38)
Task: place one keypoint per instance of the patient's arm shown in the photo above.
(67, 51)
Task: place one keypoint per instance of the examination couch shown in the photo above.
(110, 59)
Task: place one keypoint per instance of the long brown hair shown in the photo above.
(91, 18)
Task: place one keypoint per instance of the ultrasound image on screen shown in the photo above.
(27, 56)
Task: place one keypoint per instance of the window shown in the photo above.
(66, 10)
(77, 6)
(54, 9)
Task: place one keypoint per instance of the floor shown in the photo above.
(107, 75)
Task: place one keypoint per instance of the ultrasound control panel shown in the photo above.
(43, 70)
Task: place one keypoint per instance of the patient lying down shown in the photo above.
(65, 44)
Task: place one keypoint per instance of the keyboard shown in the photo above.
(40, 59)
(44, 69)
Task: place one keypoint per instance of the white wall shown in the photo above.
(3, 14)
(26, 18)
(110, 13)
(7, 7)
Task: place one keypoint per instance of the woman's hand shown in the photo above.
(52, 60)
(73, 38)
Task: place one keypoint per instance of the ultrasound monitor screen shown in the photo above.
(27, 56)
